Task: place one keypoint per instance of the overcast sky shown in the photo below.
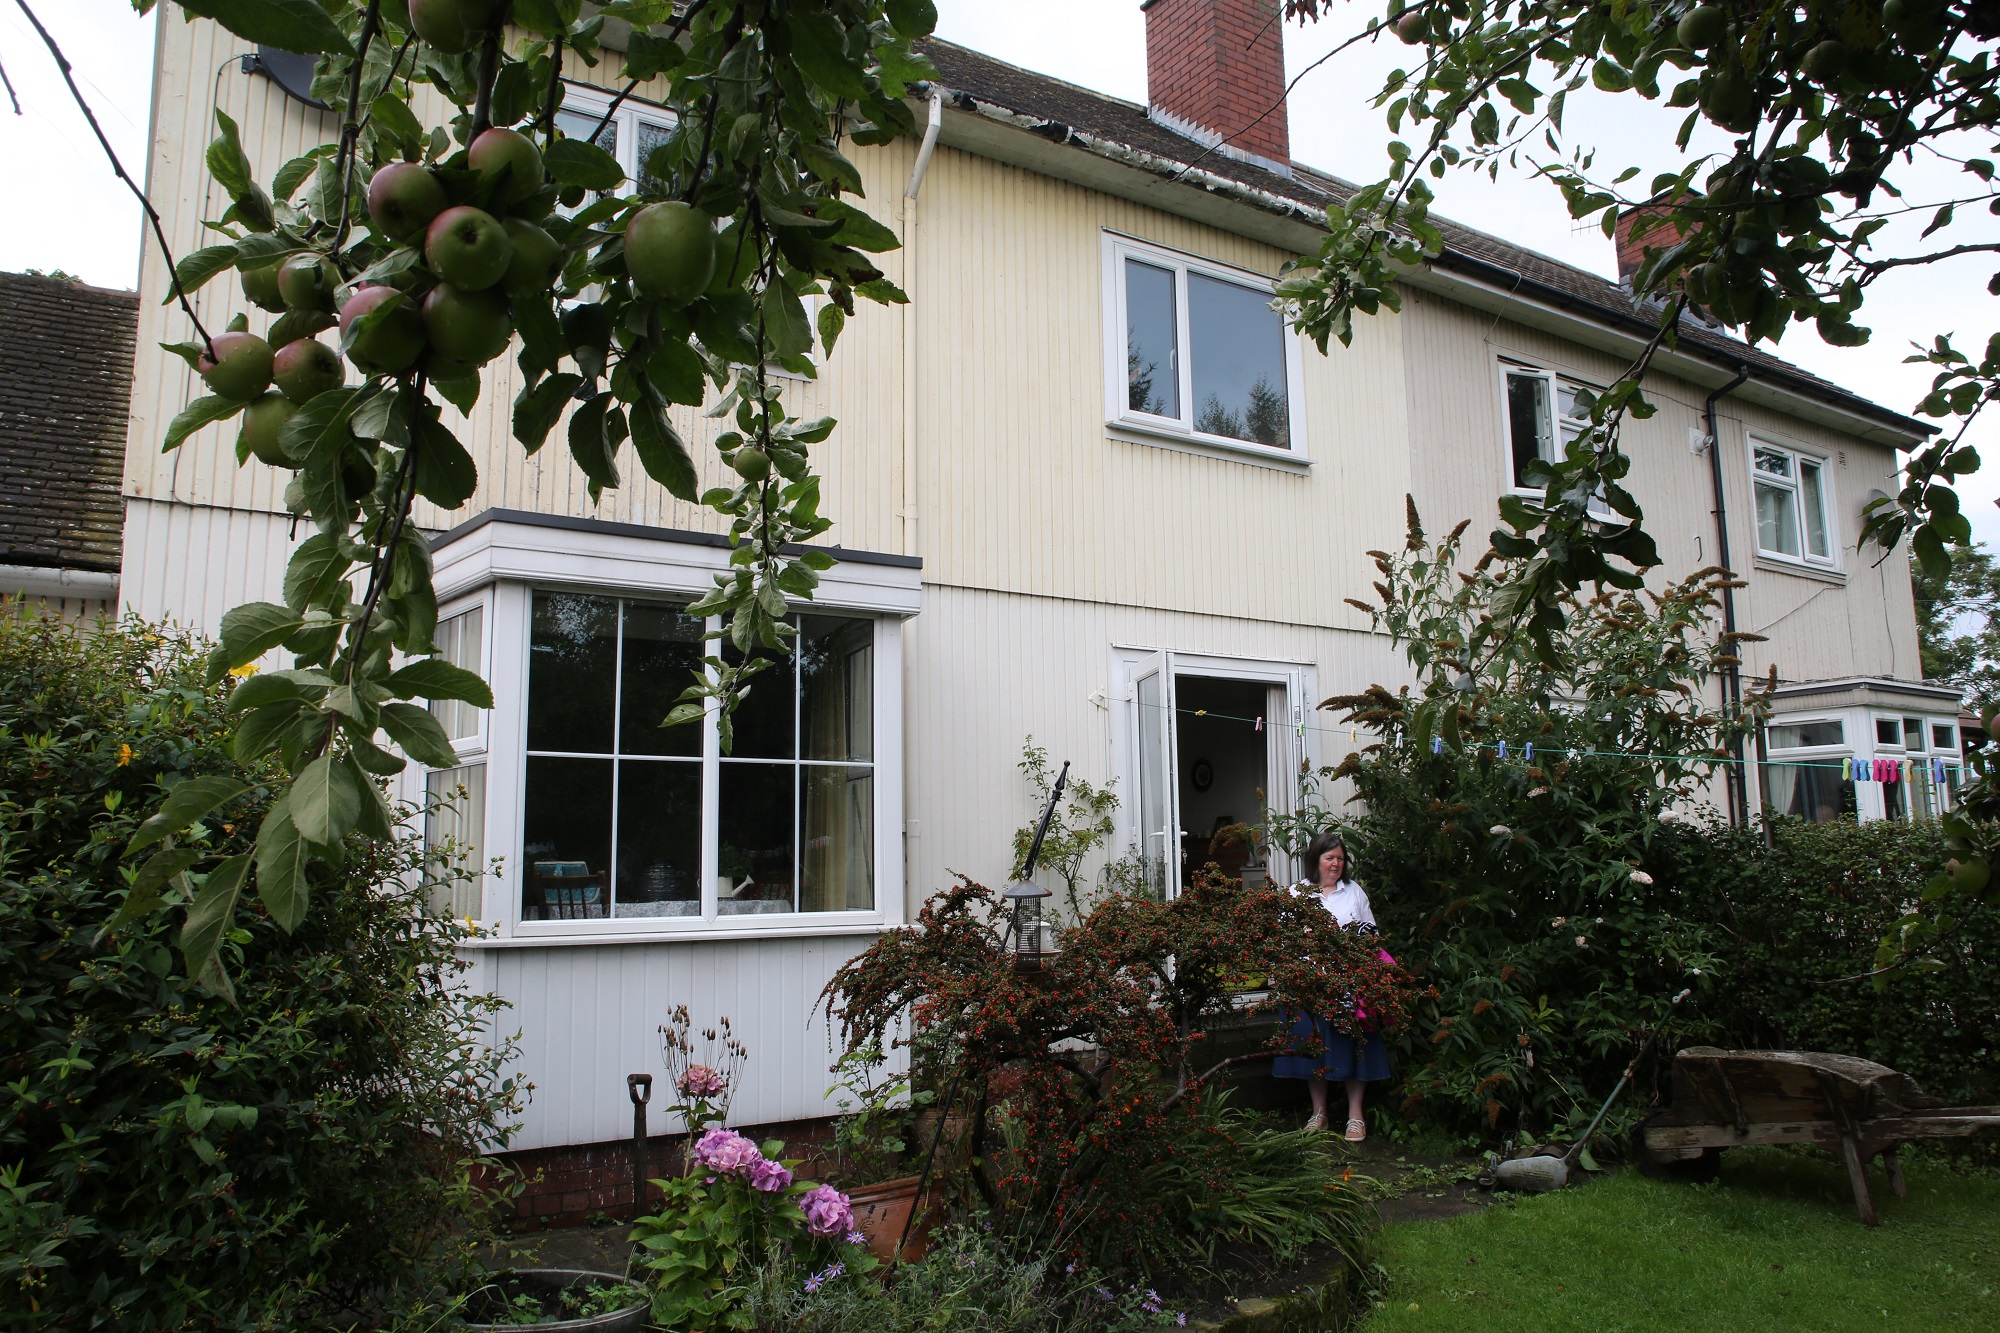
(66, 211)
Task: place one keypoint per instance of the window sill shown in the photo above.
(1777, 564)
(705, 932)
(1260, 455)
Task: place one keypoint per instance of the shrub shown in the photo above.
(168, 1159)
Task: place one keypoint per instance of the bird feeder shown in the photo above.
(1024, 902)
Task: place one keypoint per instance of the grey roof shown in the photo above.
(1065, 113)
(65, 394)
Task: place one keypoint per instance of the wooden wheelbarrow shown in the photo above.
(1859, 1109)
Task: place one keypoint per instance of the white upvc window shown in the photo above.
(1803, 771)
(636, 128)
(1543, 418)
(1194, 352)
(455, 806)
(1792, 490)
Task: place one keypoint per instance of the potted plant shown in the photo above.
(557, 1298)
(876, 1142)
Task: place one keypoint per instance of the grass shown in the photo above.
(1774, 1244)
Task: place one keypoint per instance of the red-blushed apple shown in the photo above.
(393, 342)
(240, 369)
(538, 258)
(507, 151)
(670, 250)
(304, 369)
(469, 327)
(451, 25)
(260, 285)
(468, 248)
(262, 421)
(403, 198)
(308, 281)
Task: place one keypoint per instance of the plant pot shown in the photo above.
(882, 1211)
(548, 1284)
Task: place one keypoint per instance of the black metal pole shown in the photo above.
(639, 1087)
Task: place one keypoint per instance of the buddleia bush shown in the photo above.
(169, 1159)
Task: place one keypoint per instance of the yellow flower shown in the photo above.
(247, 669)
(124, 755)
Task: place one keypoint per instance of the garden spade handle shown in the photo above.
(1042, 829)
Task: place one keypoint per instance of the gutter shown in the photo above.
(43, 581)
(911, 351)
(1732, 677)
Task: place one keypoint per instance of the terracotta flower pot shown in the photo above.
(882, 1211)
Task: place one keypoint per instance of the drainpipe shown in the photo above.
(1732, 677)
(923, 163)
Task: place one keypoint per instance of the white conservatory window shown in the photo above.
(1802, 772)
(1793, 521)
(456, 801)
(1195, 351)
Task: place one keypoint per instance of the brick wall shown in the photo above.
(1221, 64)
(1632, 249)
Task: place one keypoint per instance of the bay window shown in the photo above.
(1196, 352)
(1791, 488)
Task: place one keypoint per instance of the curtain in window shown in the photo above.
(837, 802)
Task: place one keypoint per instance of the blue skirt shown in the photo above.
(1344, 1057)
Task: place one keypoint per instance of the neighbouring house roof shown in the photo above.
(1066, 114)
(65, 394)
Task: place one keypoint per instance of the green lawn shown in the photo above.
(1774, 1245)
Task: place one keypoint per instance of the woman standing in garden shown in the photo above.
(1354, 1061)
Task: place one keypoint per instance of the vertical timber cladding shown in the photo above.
(1860, 623)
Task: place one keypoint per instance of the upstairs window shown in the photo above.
(1197, 351)
(1791, 491)
(1544, 418)
(636, 128)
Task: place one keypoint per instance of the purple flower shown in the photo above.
(857, 1238)
(828, 1212)
(726, 1152)
(768, 1176)
(702, 1081)
(824, 1276)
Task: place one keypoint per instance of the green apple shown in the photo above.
(445, 368)
(260, 285)
(304, 369)
(394, 341)
(452, 25)
(308, 281)
(403, 198)
(262, 421)
(472, 327)
(508, 152)
(1702, 27)
(468, 248)
(538, 258)
(670, 250)
(241, 367)
(751, 463)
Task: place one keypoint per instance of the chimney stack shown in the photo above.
(1213, 67)
(1662, 234)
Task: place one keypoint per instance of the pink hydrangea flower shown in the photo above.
(827, 1211)
(726, 1152)
(702, 1081)
(769, 1176)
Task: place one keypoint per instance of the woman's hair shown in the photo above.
(1319, 847)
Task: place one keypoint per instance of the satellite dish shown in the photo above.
(289, 70)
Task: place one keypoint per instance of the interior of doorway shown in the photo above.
(1222, 742)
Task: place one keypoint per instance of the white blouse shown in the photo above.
(1346, 901)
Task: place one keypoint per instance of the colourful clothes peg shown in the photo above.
(1846, 770)
(1437, 745)
(1528, 753)
(1503, 749)
(1937, 772)
(1260, 723)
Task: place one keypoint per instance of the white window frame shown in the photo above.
(1119, 416)
(1562, 429)
(1829, 510)
(473, 747)
(587, 99)
(506, 558)
(1847, 748)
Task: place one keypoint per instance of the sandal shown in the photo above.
(1357, 1131)
(1317, 1124)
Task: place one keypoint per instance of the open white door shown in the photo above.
(1159, 831)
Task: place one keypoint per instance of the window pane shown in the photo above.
(1944, 738)
(578, 122)
(650, 135)
(1813, 791)
(1813, 499)
(1893, 804)
(566, 839)
(763, 721)
(756, 853)
(837, 864)
(1774, 461)
(1571, 418)
(1887, 732)
(1239, 362)
(659, 838)
(458, 640)
(1152, 371)
(663, 651)
(836, 688)
(456, 822)
(1777, 519)
(572, 661)
(1913, 734)
(1528, 422)
(1797, 735)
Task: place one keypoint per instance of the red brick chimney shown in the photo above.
(1219, 65)
(1660, 234)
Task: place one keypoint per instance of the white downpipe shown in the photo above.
(910, 399)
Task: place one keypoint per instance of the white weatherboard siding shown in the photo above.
(589, 1015)
(191, 563)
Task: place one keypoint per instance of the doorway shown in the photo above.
(1223, 754)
